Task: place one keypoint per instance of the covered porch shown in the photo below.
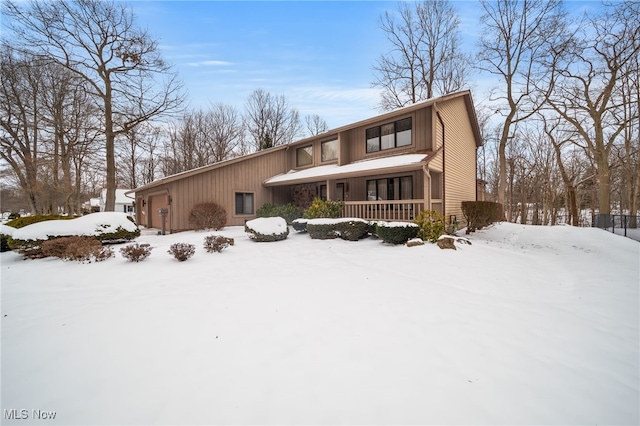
(394, 188)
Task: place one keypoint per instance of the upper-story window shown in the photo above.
(329, 150)
(390, 135)
(304, 156)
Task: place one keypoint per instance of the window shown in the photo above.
(329, 150)
(304, 156)
(244, 203)
(390, 189)
(390, 135)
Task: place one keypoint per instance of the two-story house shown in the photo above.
(422, 157)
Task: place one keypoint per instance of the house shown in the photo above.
(124, 203)
(389, 167)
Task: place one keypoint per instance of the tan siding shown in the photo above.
(460, 157)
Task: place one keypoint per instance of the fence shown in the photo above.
(616, 221)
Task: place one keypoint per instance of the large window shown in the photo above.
(390, 189)
(244, 203)
(304, 156)
(329, 150)
(391, 135)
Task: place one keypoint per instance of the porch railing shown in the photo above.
(400, 210)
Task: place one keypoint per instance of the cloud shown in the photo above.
(209, 64)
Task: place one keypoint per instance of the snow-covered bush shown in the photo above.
(208, 216)
(351, 229)
(300, 225)
(5, 233)
(396, 232)
(182, 251)
(431, 225)
(266, 229)
(21, 222)
(107, 227)
(217, 243)
(136, 252)
(82, 249)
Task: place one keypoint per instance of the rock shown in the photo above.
(446, 242)
(414, 242)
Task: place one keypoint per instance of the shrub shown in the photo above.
(21, 222)
(4, 243)
(266, 229)
(396, 232)
(136, 252)
(323, 209)
(182, 251)
(300, 225)
(217, 243)
(82, 249)
(431, 225)
(288, 212)
(118, 236)
(350, 229)
(479, 214)
(208, 216)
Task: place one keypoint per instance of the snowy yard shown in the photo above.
(529, 325)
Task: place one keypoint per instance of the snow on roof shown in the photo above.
(354, 168)
(121, 198)
(91, 224)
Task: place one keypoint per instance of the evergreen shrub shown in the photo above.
(300, 225)
(208, 216)
(323, 209)
(479, 214)
(217, 243)
(4, 243)
(431, 225)
(256, 229)
(21, 222)
(136, 252)
(350, 229)
(182, 251)
(288, 212)
(396, 232)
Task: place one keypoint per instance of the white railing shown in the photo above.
(400, 210)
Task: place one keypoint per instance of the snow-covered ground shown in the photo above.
(529, 325)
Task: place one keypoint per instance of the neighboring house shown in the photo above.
(422, 157)
(124, 203)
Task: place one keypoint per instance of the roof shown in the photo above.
(466, 95)
(359, 168)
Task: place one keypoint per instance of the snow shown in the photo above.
(396, 224)
(268, 225)
(91, 224)
(6, 229)
(356, 167)
(529, 325)
(333, 221)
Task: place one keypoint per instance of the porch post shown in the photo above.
(427, 188)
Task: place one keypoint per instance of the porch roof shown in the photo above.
(397, 163)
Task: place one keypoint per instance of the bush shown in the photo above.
(288, 212)
(266, 229)
(323, 209)
(82, 249)
(182, 251)
(4, 243)
(479, 214)
(300, 225)
(217, 243)
(431, 224)
(21, 222)
(396, 232)
(118, 236)
(347, 229)
(136, 252)
(208, 216)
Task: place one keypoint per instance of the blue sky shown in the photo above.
(319, 54)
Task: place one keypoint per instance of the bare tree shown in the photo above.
(270, 121)
(225, 131)
(516, 34)
(99, 41)
(138, 155)
(425, 59)
(315, 125)
(588, 74)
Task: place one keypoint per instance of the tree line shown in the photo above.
(562, 127)
(83, 88)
